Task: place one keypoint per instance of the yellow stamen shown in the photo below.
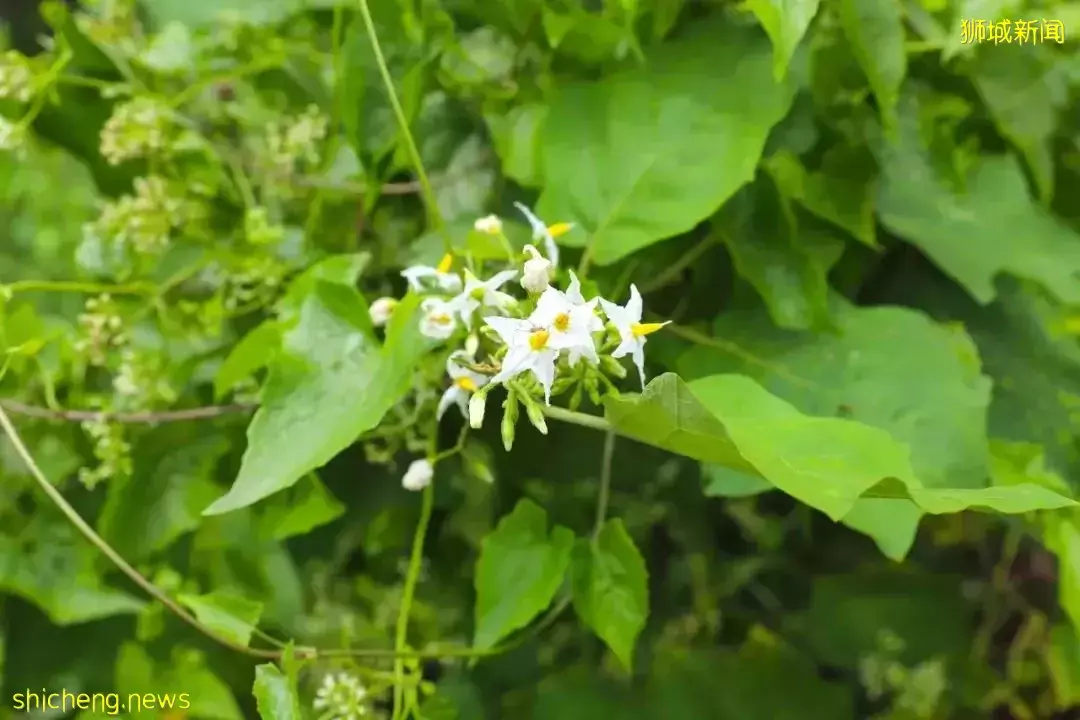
(441, 319)
(538, 339)
(560, 229)
(643, 329)
(445, 264)
(466, 383)
(562, 321)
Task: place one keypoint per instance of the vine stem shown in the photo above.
(412, 576)
(107, 550)
(603, 498)
(410, 144)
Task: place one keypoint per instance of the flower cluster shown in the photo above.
(540, 345)
(111, 450)
(342, 697)
(102, 328)
(296, 140)
(144, 221)
(136, 128)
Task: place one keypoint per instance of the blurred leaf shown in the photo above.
(231, 616)
(299, 510)
(254, 351)
(993, 228)
(875, 30)
(765, 680)
(666, 146)
(786, 22)
(275, 695)
(725, 482)
(50, 565)
(520, 569)
(841, 192)
(1063, 659)
(1023, 96)
(788, 268)
(516, 135)
(145, 512)
(610, 589)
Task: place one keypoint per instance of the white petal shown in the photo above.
(453, 368)
(639, 360)
(449, 282)
(508, 329)
(500, 279)
(516, 361)
(633, 307)
(573, 290)
(628, 345)
(498, 299)
(452, 395)
(551, 303)
(543, 367)
(616, 314)
(551, 248)
(539, 229)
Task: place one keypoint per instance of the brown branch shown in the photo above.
(149, 417)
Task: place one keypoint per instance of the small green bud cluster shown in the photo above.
(144, 221)
(102, 329)
(111, 450)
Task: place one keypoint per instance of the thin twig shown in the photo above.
(148, 417)
(604, 495)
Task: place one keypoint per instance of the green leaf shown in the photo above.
(788, 268)
(725, 482)
(252, 353)
(786, 22)
(1063, 661)
(1023, 95)
(275, 695)
(666, 145)
(841, 191)
(203, 12)
(299, 510)
(875, 29)
(827, 463)
(765, 680)
(163, 499)
(610, 589)
(50, 565)
(231, 616)
(520, 569)
(1061, 535)
(848, 613)
(993, 228)
(516, 135)
(330, 384)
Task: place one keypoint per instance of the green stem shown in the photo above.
(410, 144)
(577, 418)
(88, 532)
(411, 578)
(604, 496)
(79, 287)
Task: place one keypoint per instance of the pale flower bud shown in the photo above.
(537, 272)
(472, 344)
(381, 310)
(418, 476)
(477, 405)
(491, 225)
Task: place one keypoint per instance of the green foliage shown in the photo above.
(275, 308)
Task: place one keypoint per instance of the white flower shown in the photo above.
(381, 310)
(491, 225)
(437, 321)
(418, 476)
(632, 331)
(482, 293)
(341, 697)
(444, 279)
(464, 383)
(537, 272)
(529, 349)
(570, 324)
(545, 232)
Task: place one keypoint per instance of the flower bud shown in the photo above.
(509, 421)
(592, 387)
(490, 225)
(535, 413)
(381, 310)
(536, 275)
(612, 366)
(477, 405)
(418, 475)
(472, 344)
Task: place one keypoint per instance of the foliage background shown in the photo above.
(837, 199)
